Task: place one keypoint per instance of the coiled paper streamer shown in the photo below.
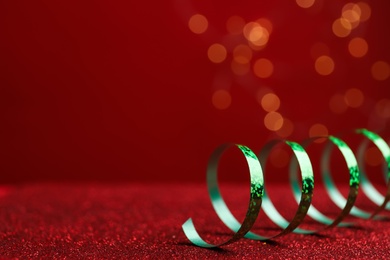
(302, 194)
(257, 192)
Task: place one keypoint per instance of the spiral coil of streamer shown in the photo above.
(302, 193)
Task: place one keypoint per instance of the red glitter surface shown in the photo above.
(107, 221)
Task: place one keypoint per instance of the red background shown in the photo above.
(121, 90)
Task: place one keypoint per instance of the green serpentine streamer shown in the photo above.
(302, 193)
(256, 194)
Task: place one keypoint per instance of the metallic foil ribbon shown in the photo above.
(256, 194)
(302, 193)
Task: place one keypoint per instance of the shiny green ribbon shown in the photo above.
(302, 193)
(344, 204)
(372, 193)
(256, 194)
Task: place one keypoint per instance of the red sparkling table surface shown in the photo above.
(127, 220)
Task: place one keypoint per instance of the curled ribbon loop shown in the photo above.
(302, 193)
(256, 194)
(344, 204)
(306, 192)
(372, 193)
